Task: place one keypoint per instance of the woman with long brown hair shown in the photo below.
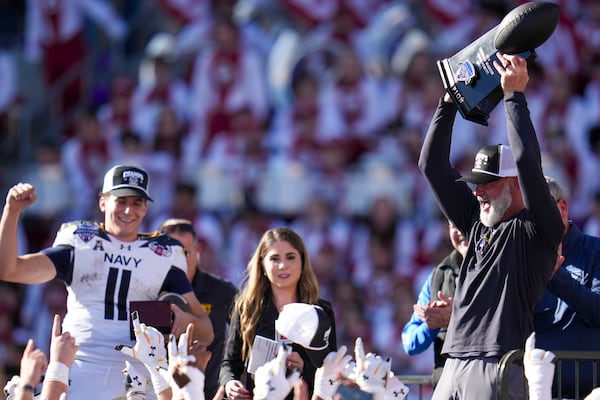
(278, 273)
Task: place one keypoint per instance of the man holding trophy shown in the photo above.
(514, 230)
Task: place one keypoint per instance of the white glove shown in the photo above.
(149, 349)
(371, 371)
(539, 370)
(11, 386)
(349, 371)
(395, 389)
(270, 382)
(187, 381)
(149, 345)
(135, 383)
(328, 376)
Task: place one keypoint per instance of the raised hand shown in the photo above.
(150, 350)
(20, 196)
(371, 371)
(135, 382)
(395, 389)
(270, 382)
(149, 345)
(187, 379)
(513, 72)
(33, 363)
(62, 354)
(539, 370)
(62, 345)
(329, 376)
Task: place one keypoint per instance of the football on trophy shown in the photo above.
(526, 27)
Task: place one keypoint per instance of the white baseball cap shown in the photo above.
(304, 324)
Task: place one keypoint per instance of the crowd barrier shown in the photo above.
(572, 358)
(423, 382)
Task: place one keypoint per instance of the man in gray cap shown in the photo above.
(105, 267)
(514, 231)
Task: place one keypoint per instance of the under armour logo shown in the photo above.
(137, 381)
(124, 247)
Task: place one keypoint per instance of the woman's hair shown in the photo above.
(250, 302)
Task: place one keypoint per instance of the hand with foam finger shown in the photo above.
(371, 371)
(187, 379)
(270, 381)
(329, 376)
(539, 370)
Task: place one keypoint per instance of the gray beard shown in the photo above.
(497, 208)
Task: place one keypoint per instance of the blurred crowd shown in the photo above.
(249, 114)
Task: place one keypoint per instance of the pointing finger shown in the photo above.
(56, 326)
(30, 346)
(183, 344)
(172, 346)
(359, 352)
(189, 331)
(137, 329)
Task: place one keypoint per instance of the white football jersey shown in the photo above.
(106, 275)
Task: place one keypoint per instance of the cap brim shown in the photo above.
(124, 192)
(478, 178)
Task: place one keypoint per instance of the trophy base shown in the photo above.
(471, 80)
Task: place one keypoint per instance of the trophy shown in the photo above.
(470, 77)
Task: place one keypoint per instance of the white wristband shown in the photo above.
(58, 372)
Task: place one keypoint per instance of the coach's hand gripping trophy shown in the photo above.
(469, 76)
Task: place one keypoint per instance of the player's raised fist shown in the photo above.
(21, 196)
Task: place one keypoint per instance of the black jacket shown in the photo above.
(233, 367)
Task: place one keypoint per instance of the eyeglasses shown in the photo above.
(183, 228)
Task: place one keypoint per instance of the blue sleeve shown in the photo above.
(585, 301)
(62, 257)
(416, 336)
(176, 281)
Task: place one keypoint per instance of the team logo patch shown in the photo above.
(133, 178)
(481, 162)
(86, 232)
(160, 249)
(466, 72)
